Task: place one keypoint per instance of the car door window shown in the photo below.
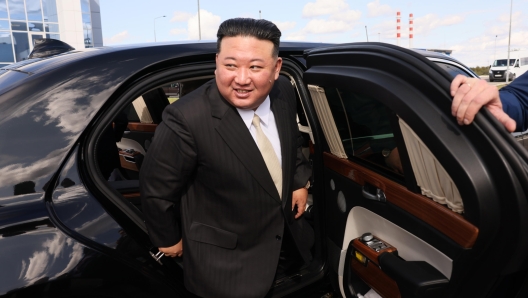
(364, 128)
(364, 133)
(452, 70)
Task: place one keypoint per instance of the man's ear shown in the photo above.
(278, 66)
(216, 60)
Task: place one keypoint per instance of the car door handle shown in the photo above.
(373, 193)
(157, 256)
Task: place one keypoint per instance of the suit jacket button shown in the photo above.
(278, 237)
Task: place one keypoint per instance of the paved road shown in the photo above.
(493, 83)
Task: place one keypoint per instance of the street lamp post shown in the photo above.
(366, 32)
(199, 26)
(379, 37)
(509, 40)
(155, 26)
(495, 49)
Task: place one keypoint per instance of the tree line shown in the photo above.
(481, 70)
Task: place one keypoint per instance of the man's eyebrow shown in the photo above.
(252, 60)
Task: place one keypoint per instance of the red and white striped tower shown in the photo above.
(398, 28)
(411, 31)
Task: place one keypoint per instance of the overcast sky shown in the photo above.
(468, 27)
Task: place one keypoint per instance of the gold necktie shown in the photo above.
(268, 153)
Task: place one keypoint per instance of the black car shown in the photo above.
(451, 221)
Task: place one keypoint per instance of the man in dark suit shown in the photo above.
(229, 155)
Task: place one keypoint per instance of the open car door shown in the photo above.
(415, 205)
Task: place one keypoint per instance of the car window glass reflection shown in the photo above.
(364, 128)
(452, 70)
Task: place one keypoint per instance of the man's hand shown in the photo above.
(470, 95)
(173, 251)
(299, 198)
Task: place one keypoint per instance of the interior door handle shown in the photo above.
(373, 193)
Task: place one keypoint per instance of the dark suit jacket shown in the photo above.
(514, 98)
(204, 160)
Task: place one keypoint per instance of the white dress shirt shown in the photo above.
(268, 125)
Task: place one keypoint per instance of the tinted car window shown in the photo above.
(363, 124)
(452, 70)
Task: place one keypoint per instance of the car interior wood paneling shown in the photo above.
(131, 195)
(144, 127)
(375, 278)
(370, 253)
(441, 218)
(347, 194)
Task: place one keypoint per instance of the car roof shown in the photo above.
(165, 50)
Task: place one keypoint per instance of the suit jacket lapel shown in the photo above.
(279, 107)
(236, 135)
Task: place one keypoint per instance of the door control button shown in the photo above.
(367, 237)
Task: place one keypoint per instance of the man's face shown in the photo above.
(246, 70)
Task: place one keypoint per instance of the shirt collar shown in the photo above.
(263, 111)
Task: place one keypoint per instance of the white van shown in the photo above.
(518, 66)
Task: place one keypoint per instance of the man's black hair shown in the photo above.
(260, 29)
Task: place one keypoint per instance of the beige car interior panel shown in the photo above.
(142, 111)
(130, 144)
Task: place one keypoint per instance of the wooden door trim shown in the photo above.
(144, 127)
(373, 276)
(451, 224)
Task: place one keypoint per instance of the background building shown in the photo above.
(76, 22)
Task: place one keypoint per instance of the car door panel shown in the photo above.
(439, 217)
(463, 248)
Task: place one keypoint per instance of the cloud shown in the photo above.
(296, 36)
(178, 31)
(180, 16)
(118, 38)
(340, 18)
(70, 111)
(47, 261)
(324, 7)
(482, 50)
(319, 26)
(347, 16)
(451, 20)
(375, 9)
(425, 24)
(502, 24)
(284, 26)
(209, 24)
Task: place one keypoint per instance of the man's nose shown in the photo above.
(242, 76)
